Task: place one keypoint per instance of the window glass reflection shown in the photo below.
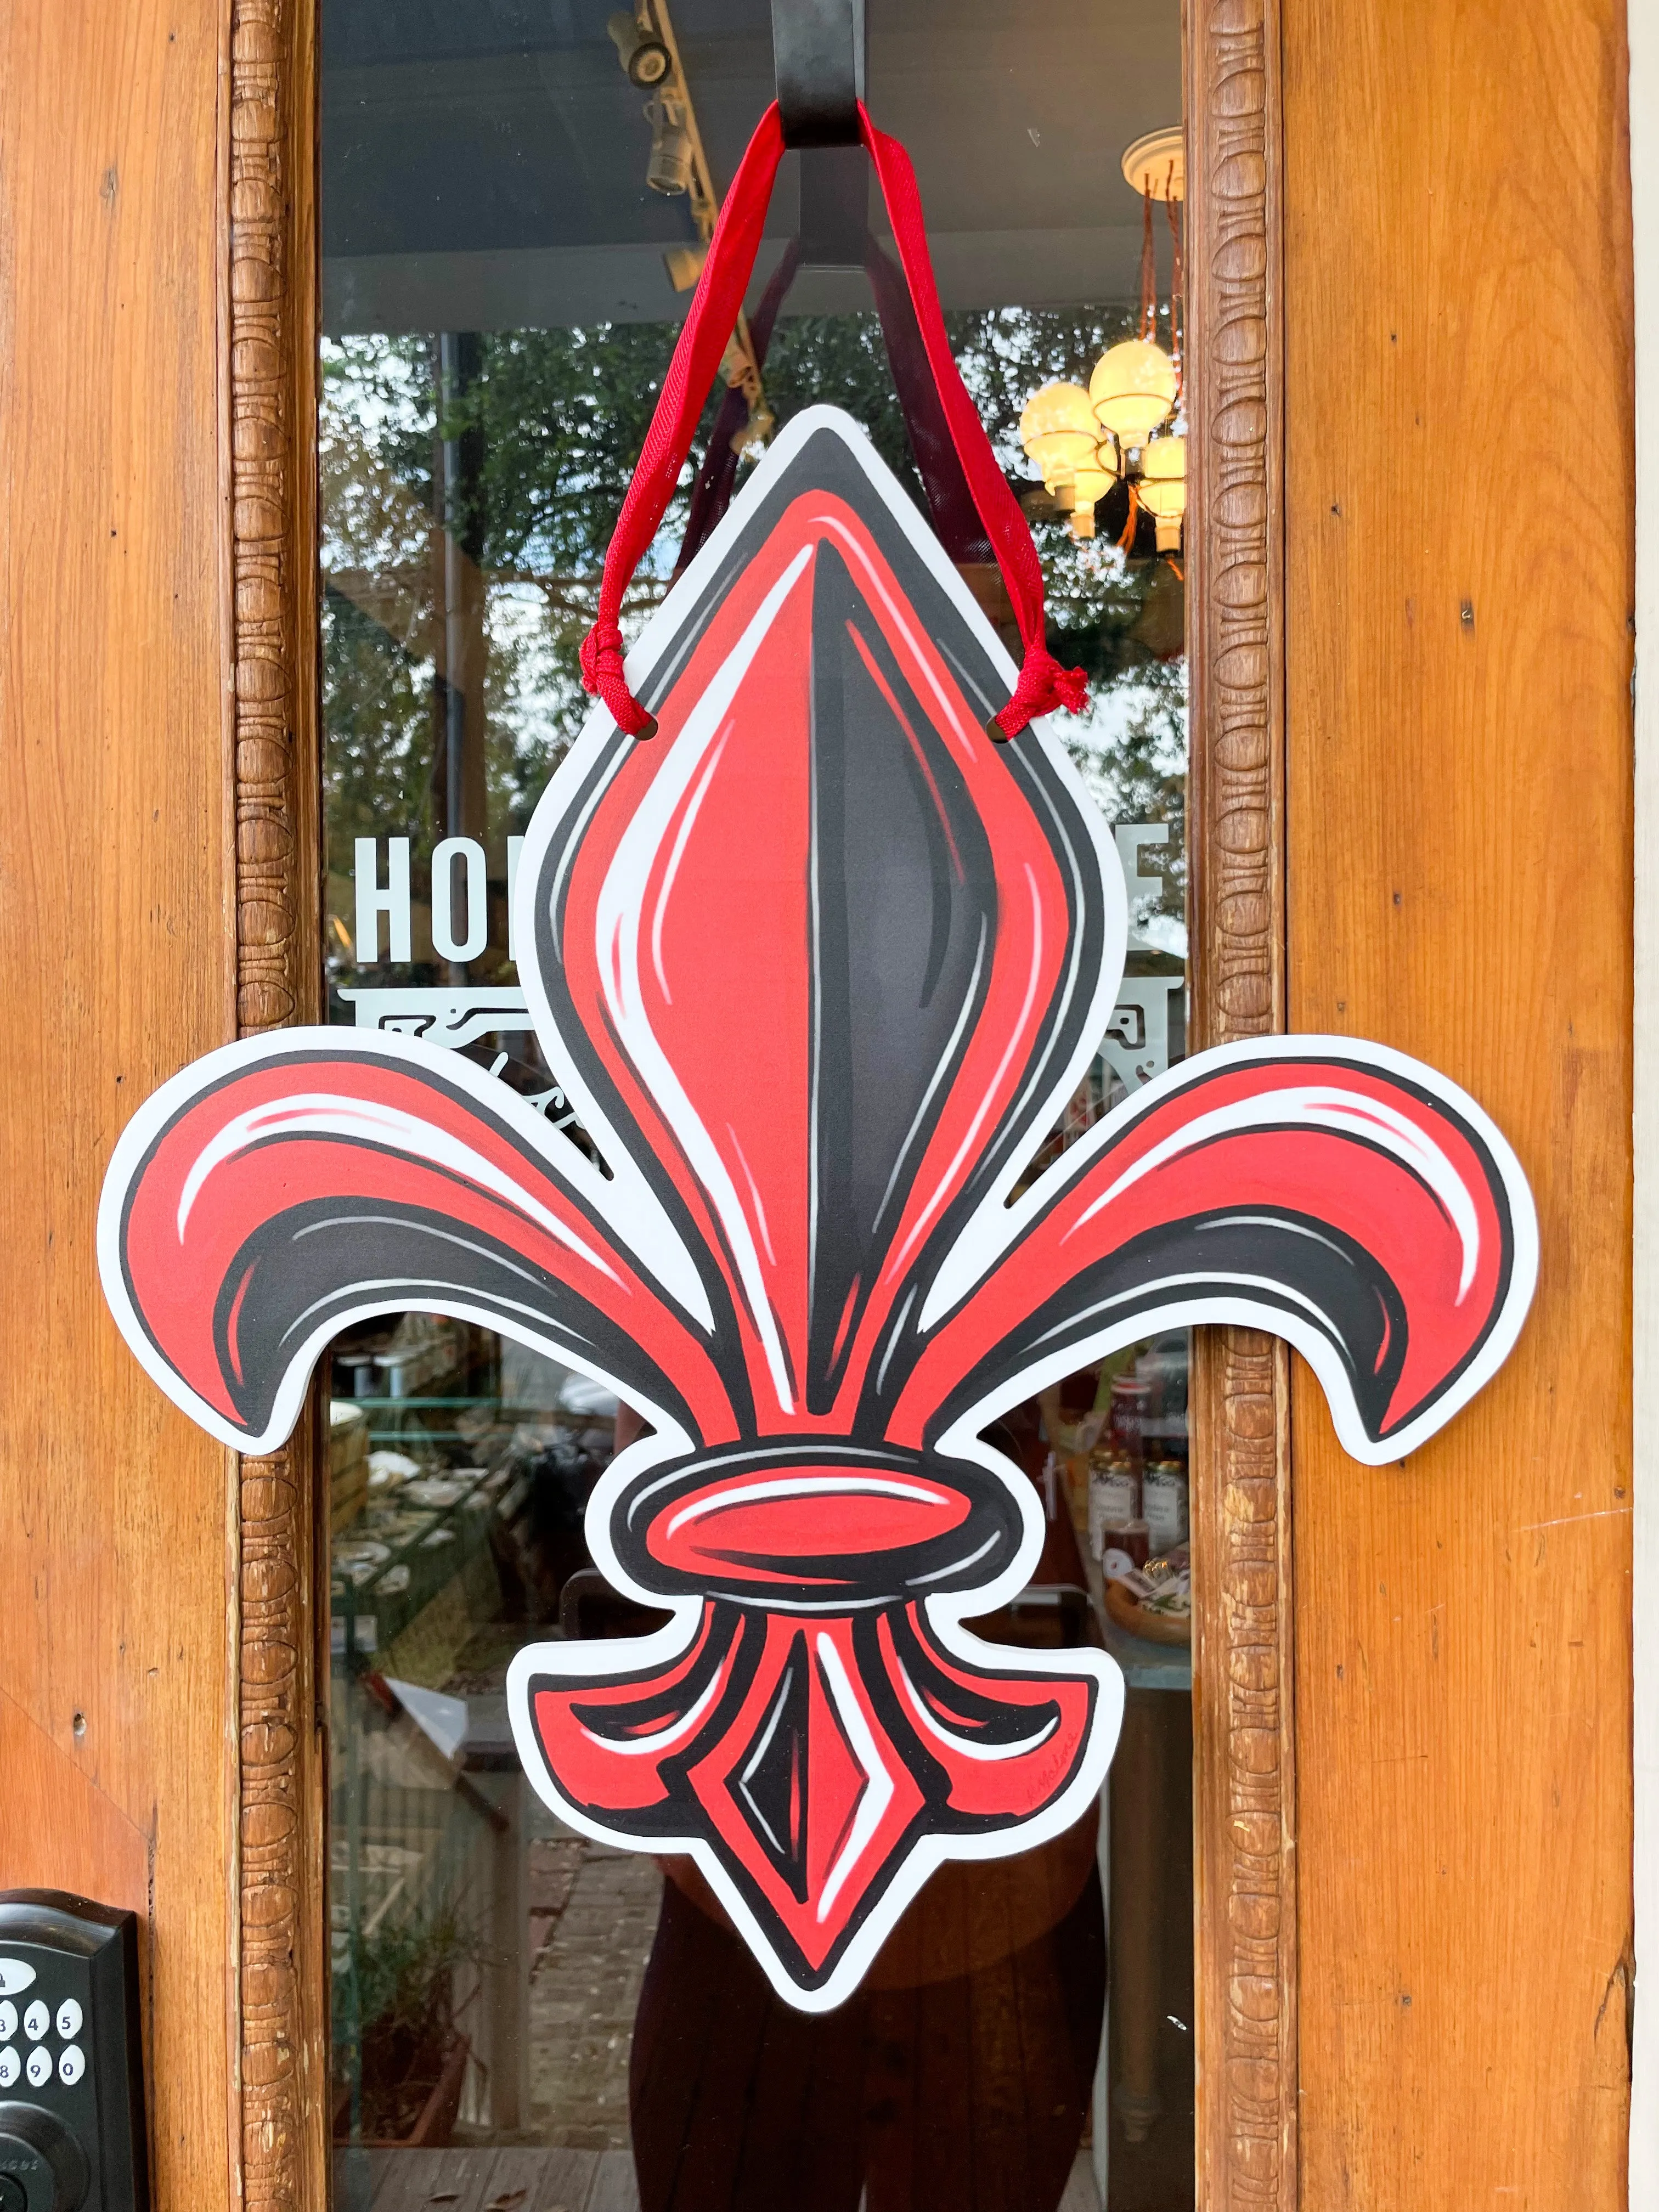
(521, 2016)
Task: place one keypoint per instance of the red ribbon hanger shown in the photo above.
(1043, 684)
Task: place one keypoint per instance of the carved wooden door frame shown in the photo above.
(1243, 1705)
(280, 2063)
(1244, 1766)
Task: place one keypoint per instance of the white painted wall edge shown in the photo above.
(1644, 17)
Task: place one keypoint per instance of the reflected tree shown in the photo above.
(551, 422)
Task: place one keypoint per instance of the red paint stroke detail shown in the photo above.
(762, 1524)
(723, 967)
(1320, 1149)
(328, 1129)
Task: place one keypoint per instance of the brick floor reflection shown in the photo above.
(593, 1912)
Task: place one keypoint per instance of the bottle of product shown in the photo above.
(1114, 1495)
(1127, 1432)
(1164, 1503)
(1125, 1547)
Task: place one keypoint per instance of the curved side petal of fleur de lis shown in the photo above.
(817, 967)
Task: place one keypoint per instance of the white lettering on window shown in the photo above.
(372, 902)
(1136, 1044)
(471, 854)
(1145, 892)
(514, 847)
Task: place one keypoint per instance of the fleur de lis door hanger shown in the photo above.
(818, 961)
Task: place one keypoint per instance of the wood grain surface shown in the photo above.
(1458, 494)
(115, 1642)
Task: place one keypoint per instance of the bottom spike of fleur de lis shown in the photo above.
(818, 966)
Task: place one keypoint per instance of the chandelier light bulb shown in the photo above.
(1092, 484)
(1162, 488)
(1060, 433)
(1077, 493)
(1132, 389)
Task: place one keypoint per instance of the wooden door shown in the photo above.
(1458, 819)
(117, 1629)
(155, 1708)
(1419, 300)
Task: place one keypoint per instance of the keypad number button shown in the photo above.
(8, 2020)
(69, 2019)
(36, 2021)
(39, 2069)
(10, 2067)
(71, 2064)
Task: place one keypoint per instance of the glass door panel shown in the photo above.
(515, 201)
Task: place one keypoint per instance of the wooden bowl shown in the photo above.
(1127, 1612)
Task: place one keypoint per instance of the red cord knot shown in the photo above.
(600, 656)
(1043, 687)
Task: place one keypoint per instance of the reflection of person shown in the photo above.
(958, 2077)
(630, 1426)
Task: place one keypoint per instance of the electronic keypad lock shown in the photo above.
(71, 2084)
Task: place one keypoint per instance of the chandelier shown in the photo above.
(1125, 427)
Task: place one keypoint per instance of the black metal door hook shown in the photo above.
(818, 48)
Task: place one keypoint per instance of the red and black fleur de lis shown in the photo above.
(819, 965)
